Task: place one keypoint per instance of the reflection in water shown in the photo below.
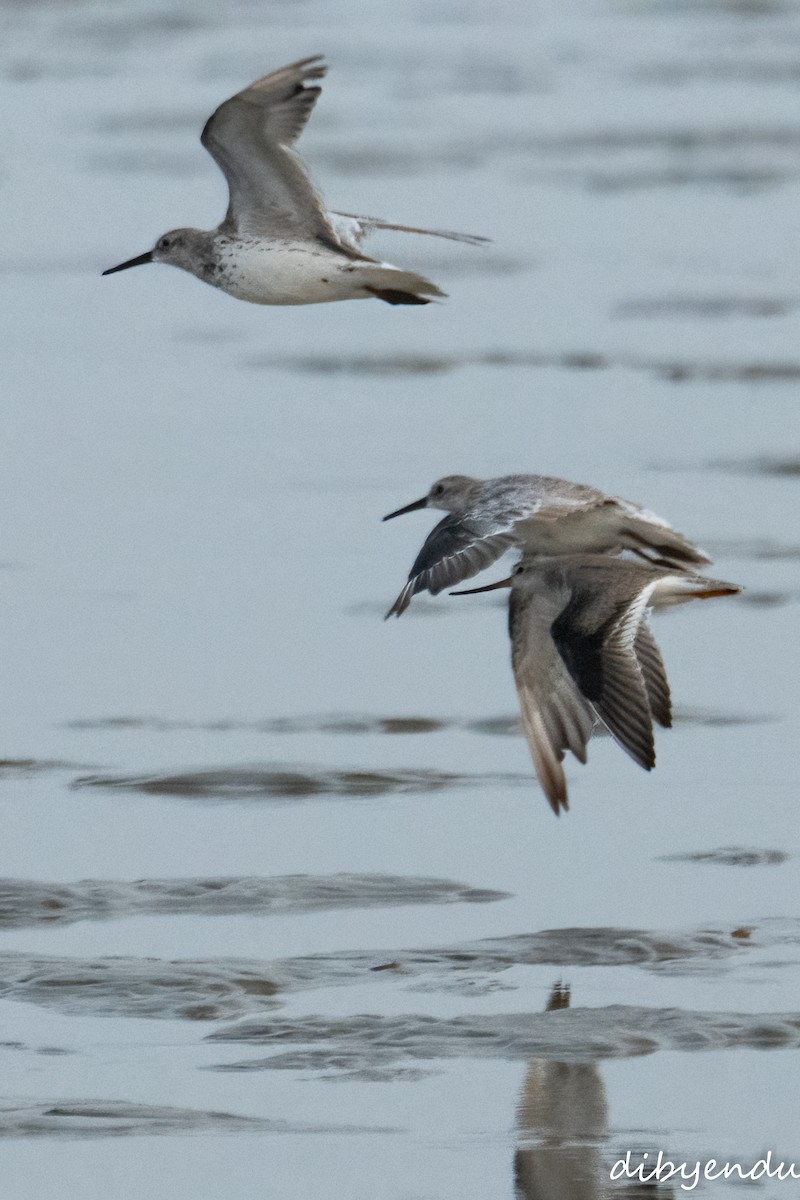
(563, 1106)
(563, 1127)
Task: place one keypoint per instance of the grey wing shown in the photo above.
(595, 636)
(548, 498)
(454, 550)
(250, 138)
(555, 716)
(654, 674)
(352, 229)
(623, 704)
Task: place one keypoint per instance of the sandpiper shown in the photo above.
(277, 244)
(582, 652)
(539, 514)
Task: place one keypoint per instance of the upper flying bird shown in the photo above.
(583, 653)
(541, 515)
(277, 244)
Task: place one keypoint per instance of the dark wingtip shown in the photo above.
(400, 605)
(557, 801)
(398, 608)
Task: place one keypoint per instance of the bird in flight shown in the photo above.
(277, 244)
(583, 654)
(538, 514)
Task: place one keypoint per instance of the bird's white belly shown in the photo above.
(269, 273)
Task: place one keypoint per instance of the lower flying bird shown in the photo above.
(583, 653)
(277, 244)
(539, 514)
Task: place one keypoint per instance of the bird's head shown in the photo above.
(450, 493)
(179, 248)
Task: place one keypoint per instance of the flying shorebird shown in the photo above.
(277, 244)
(583, 653)
(539, 514)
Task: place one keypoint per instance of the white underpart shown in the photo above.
(265, 272)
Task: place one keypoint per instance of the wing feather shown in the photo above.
(453, 551)
(352, 228)
(250, 137)
(595, 634)
(555, 716)
(654, 675)
(623, 704)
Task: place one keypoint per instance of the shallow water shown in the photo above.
(280, 895)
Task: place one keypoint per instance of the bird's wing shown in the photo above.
(250, 138)
(555, 716)
(553, 507)
(654, 674)
(352, 229)
(595, 636)
(454, 550)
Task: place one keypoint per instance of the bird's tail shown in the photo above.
(677, 589)
(660, 544)
(395, 286)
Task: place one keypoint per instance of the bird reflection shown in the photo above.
(563, 1127)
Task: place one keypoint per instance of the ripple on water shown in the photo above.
(29, 902)
(225, 988)
(291, 783)
(118, 1118)
(14, 768)
(731, 856)
(788, 468)
(705, 307)
(140, 987)
(356, 724)
(673, 370)
(376, 1046)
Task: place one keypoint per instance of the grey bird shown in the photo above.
(583, 653)
(539, 514)
(277, 244)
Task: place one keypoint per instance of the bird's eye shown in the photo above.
(518, 569)
(164, 244)
(439, 490)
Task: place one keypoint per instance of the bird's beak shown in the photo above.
(423, 503)
(490, 587)
(139, 261)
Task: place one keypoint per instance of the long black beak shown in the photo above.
(490, 587)
(139, 261)
(423, 503)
